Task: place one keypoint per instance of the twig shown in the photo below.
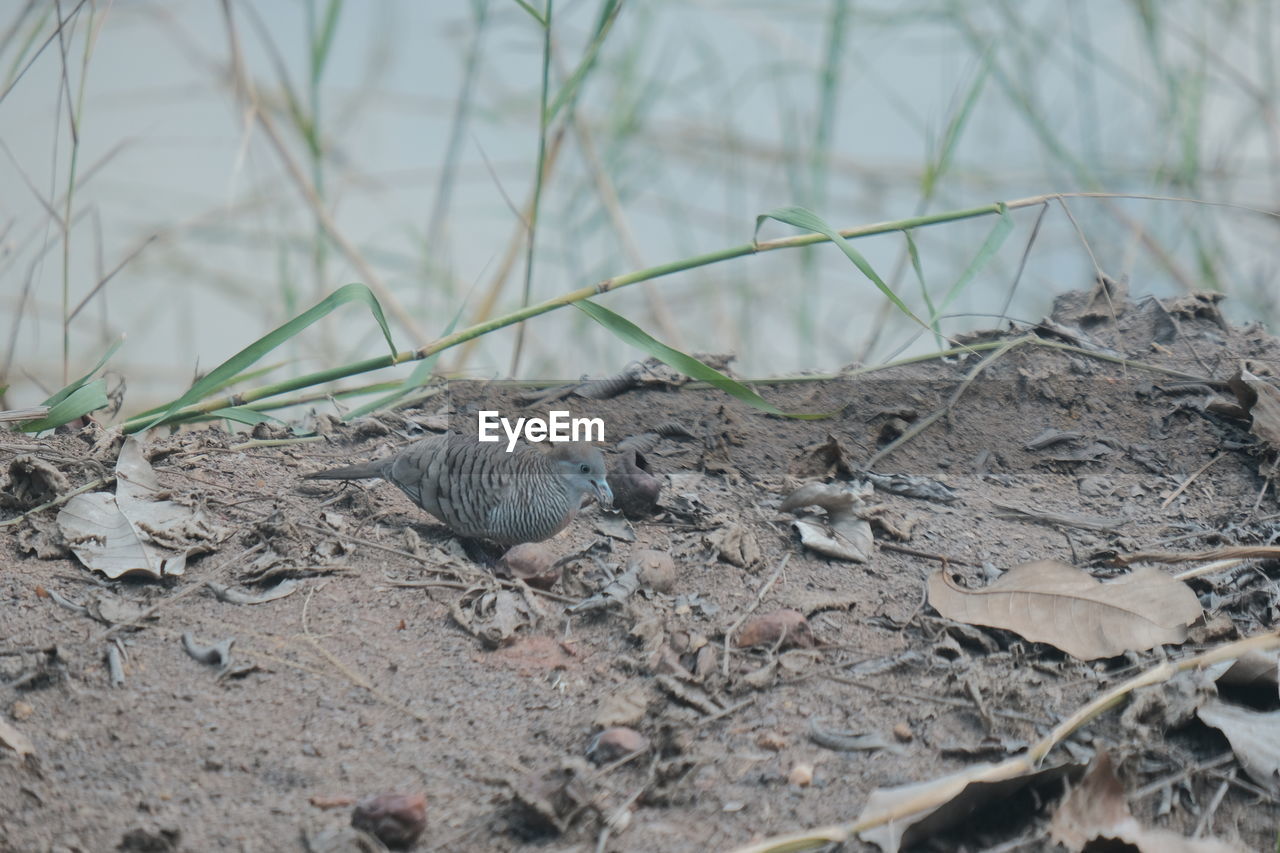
(1211, 808)
(114, 664)
(1187, 482)
(947, 789)
(760, 594)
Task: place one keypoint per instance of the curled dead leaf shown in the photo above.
(736, 545)
(840, 533)
(1096, 810)
(635, 488)
(1254, 737)
(922, 809)
(1261, 399)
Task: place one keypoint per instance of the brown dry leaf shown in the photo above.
(1052, 602)
(1097, 810)
(627, 706)
(1254, 737)
(736, 544)
(15, 740)
(494, 616)
(1262, 400)
(964, 793)
(819, 461)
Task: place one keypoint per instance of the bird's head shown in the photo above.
(582, 467)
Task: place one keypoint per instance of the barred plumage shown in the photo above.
(481, 491)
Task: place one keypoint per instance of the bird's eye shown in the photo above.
(584, 468)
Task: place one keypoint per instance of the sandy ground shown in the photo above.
(364, 680)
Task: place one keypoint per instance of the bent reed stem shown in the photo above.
(616, 283)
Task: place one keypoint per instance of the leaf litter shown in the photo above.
(372, 683)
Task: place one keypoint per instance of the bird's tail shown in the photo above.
(351, 472)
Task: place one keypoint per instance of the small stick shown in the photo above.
(760, 594)
(115, 665)
(1187, 482)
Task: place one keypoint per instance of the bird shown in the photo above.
(481, 491)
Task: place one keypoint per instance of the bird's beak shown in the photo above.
(604, 494)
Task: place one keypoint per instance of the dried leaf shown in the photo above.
(1254, 669)
(840, 533)
(819, 461)
(1052, 602)
(1097, 809)
(736, 544)
(1262, 400)
(1254, 737)
(964, 793)
(131, 532)
(15, 740)
(625, 707)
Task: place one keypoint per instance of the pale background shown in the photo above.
(697, 117)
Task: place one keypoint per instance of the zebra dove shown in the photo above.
(480, 491)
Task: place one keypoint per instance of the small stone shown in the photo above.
(657, 569)
(395, 819)
(612, 744)
(771, 740)
(783, 628)
(531, 562)
(903, 732)
(20, 710)
(801, 775)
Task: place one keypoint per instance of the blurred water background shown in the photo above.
(139, 193)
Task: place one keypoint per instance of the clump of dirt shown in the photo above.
(396, 661)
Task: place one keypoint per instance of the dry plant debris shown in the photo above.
(1051, 602)
(137, 530)
(839, 532)
(1254, 737)
(365, 679)
(1095, 812)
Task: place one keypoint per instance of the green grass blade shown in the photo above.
(537, 16)
(79, 383)
(632, 334)
(421, 373)
(988, 248)
(243, 415)
(242, 360)
(955, 129)
(810, 221)
(320, 48)
(608, 14)
(85, 399)
(914, 254)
